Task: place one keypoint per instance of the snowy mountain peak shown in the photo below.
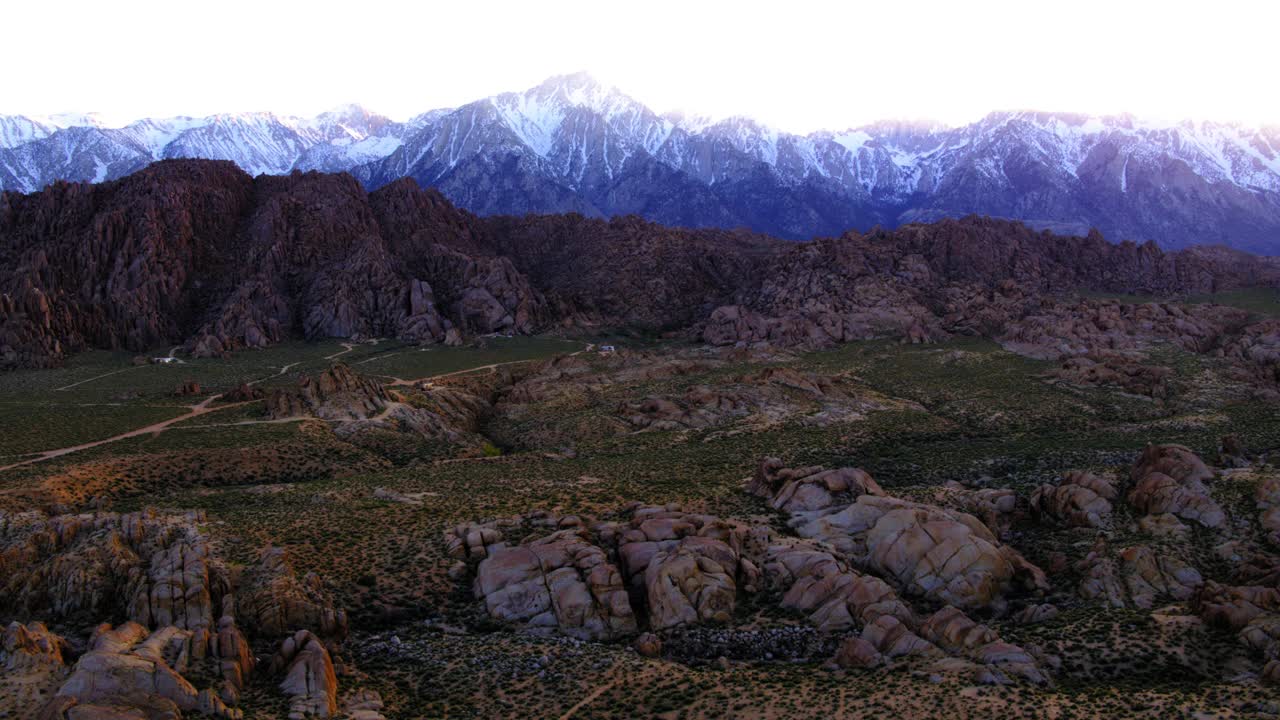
(74, 119)
(17, 130)
(574, 143)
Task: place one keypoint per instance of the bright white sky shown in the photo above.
(794, 64)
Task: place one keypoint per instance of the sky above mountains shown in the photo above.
(798, 65)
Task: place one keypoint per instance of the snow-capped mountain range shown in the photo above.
(574, 144)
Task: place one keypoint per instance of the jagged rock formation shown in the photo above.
(1116, 370)
(981, 276)
(310, 681)
(1253, 611)
(31, 663)
(274, 601)
(335, 394)
(129, 672)
(118, 268)
(1136, 576)
(1081, 499)
(1170, 479)
(559, 581)
(185, 609)
(359, 407)
(663, 568)
(154, 569)
(925, 550)
(159, 257)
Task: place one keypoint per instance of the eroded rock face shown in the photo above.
(360, 407)
(1116, 370)
(1267, 497)
(561, 581)
(924, 550)
(338, 393)
(1136, 576)
(154, 569)
(31, 664)
(273, 601)
(310, 681)
(921, 282)
(1170, 479)
(1081, 499)
(691, 582)
(128, 672)
(30, 646)
(686, 569)
(1251, 610)
(809, 488)
(952, 630)
(759, 398)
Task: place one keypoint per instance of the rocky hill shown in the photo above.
(572, 144)
(198, 253)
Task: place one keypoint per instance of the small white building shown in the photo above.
(607, 348)
(164, 360)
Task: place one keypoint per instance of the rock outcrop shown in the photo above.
(1136, 576)
(1081, 499)
(1170, 479)
(154, 569)
(679, 570)
(197, 252)
(309, 678)
(273, 601)
(32, 664)
(925, 550)
(128, 672)
(560, 581)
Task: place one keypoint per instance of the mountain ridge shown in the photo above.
(198, 253)
(574, 144)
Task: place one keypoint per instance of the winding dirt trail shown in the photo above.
(64, 388)
(204, 407)
(490, 367)
(154, 428)
(349, 347)
(591, 697)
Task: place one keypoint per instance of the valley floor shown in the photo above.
(572, 430)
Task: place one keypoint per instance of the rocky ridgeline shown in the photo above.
(197, 252)
(663, 569)
(187, 615)
(860, 563)
(359, 406)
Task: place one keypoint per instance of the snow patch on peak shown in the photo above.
(74, 119)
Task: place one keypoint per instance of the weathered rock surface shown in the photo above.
(335, 394)
(197, 252)
(1081, 499)
(364, 704)
(128, 672)
(273, 601)
(154, 569)
(954, 631)
(560, 581)
(310, 681)
(1252, 611)
(978, 276)
(1136, 576)
(1170, 479)
(924, 550)
(686, 570)
(31, 664)
(809, 488)
(1116, 370)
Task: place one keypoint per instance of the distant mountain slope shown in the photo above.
(572, 144)
(196, 252)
